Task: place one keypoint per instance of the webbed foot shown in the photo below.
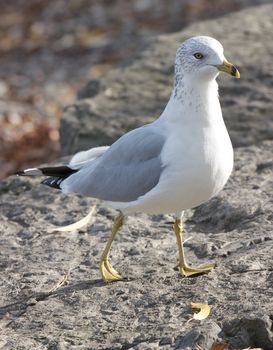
(109, 274)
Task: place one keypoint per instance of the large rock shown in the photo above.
(52, 296)
(136, 94)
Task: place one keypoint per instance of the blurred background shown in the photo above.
(50, 49)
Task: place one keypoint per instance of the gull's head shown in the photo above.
(202, 58)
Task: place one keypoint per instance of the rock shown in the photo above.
(134, 95)
(252, 331)
(90, 90)
(52, 296)
(205, 336)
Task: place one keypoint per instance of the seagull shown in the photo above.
(179, 161)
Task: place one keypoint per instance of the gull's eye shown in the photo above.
(198, 55)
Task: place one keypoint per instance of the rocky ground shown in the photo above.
(52, 296)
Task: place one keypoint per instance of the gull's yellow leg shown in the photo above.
(109, 274)
(184, 268)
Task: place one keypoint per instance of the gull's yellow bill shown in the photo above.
(229, 68)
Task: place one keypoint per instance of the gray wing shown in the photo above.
(130, 168)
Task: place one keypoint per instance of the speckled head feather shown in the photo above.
(199, 55)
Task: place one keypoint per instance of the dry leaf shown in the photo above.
(218, 347)
(203, 310)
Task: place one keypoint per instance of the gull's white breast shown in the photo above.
(199, 170)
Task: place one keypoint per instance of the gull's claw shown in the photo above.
(183, 267)
(187, 271)
(109, 274)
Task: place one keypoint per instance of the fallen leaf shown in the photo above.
(200, 311)
(218, 346)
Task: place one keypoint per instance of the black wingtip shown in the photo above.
(58, 171)
(20, 173)
(54, 182)
(29, 172)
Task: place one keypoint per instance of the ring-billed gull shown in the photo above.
(179, 161)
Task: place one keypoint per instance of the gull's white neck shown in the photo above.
(194, 100)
